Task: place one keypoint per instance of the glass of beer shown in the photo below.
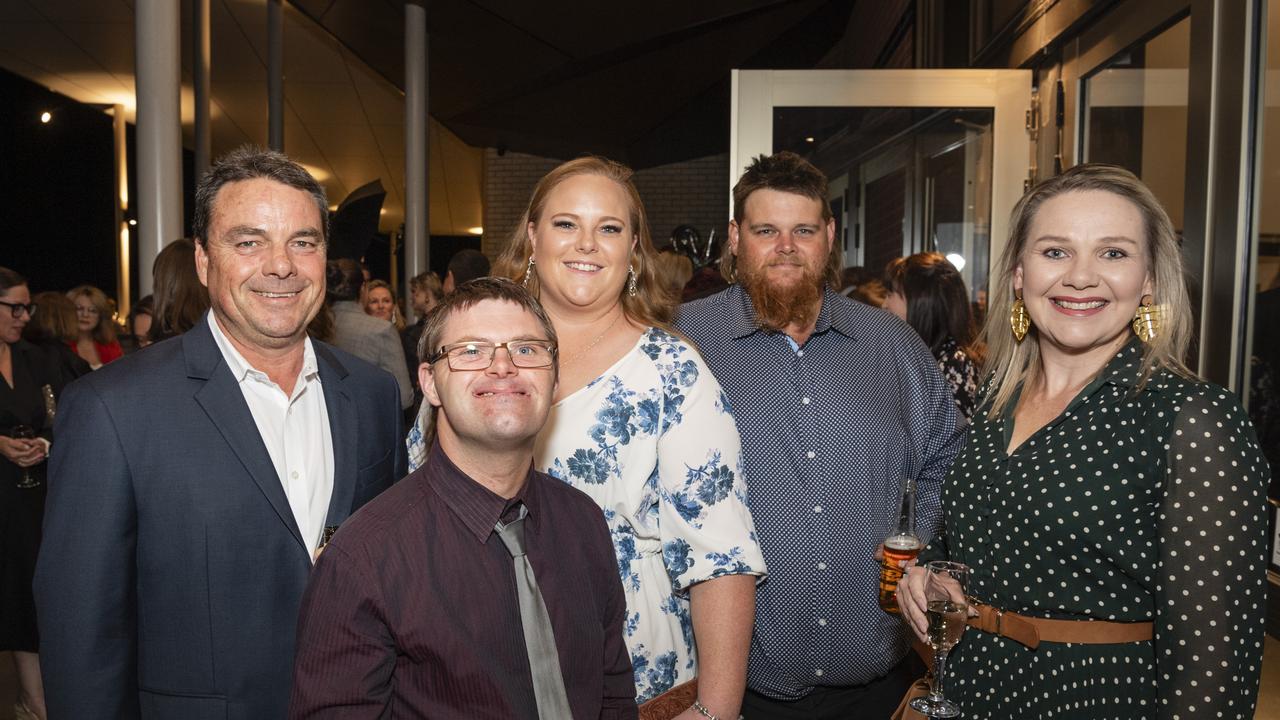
(946, 591)
(903, 544)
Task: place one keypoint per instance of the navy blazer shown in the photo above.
(171, 571)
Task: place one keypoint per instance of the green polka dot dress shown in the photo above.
(1127, 507)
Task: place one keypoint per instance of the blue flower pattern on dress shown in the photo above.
(652, 440)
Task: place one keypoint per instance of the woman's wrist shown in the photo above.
(702, 710)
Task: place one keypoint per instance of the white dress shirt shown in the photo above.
(295, 429)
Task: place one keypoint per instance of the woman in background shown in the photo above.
(380, 303)
(927, 291)
(141, 318)
(25, 435)
(180, 299)
(673, 270)
(96, 337)
(54, 329)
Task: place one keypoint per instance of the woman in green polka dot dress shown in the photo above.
(1102, 483)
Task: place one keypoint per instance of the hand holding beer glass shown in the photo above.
(946, 587)
(902, 545)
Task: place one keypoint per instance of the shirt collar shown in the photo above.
(478, 507)
(741, 320)
(240, 368)
(1125, 369)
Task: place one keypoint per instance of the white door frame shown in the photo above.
(1008, 92)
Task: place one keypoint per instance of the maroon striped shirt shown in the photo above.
(411, 610)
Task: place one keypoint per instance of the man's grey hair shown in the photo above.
(248, 162)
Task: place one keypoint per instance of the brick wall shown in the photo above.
(694, 192)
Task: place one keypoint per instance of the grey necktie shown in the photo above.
(540, 643)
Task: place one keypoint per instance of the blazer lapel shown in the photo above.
(222, 400)
(343, 415)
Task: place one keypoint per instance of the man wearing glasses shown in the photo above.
(476, 587)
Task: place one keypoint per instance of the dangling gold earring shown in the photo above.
(528, 272)
(1146, 320)
(631, 280)
(1019, 320)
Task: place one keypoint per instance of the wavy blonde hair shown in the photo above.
(653, 302)
(1015, 364)
(105, 331)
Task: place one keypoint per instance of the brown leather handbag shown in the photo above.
(670, 703)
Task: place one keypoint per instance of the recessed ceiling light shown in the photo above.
(809, 139)
(46, 116)
(476, 230)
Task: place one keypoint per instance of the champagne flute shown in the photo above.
(946, 591)
(24, 432)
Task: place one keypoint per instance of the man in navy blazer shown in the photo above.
(192, 484)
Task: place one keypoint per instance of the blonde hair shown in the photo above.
(674, 270)
(1015, 364)
(397, 318)
(653, 303)
(105, 332)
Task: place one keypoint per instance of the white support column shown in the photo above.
(159, 145)
(417, 226)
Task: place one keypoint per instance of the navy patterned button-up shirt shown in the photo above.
(828, 431)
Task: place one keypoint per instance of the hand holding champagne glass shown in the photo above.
(946, 594)
(24, 432)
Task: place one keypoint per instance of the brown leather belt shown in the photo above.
(1030, 631)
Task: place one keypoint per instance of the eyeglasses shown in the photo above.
(479, 355)
(18, 308)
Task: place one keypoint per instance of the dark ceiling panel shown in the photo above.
(644, 82)
(585, 29)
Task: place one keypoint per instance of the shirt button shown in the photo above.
(799, 353)
(804, 401)
(817, 508)
(822, 566)
(809, 454)
(818, 672)
(294, 475)
(822, 621)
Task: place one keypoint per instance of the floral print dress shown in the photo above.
(652, 441)
(961, 374)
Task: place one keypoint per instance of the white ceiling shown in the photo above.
(342, 121)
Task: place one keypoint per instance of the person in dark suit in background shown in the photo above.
(193, 483)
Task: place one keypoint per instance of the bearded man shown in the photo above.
(836, 402)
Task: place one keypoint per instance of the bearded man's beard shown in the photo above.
(777, 305)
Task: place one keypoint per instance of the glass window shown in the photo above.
(1136, 114)
(1262, 393)
(904, 180)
